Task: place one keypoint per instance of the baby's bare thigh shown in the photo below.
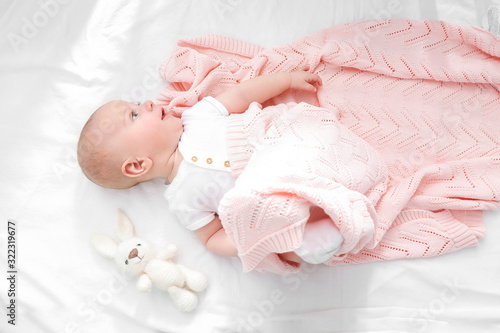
(316, 214)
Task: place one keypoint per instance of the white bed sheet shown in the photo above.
(60, 59)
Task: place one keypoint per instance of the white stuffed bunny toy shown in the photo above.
(136, 257)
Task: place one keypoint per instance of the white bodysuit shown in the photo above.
(204, 175)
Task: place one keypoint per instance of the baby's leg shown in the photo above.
(291, 257)
(321, 239)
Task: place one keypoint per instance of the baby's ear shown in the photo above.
(105, 245)
(124, 228)
(137, 166)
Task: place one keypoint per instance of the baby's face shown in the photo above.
(145, 130)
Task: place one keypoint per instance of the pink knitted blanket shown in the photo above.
(418, 99)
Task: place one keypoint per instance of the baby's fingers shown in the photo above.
(308, 86)
(305, 81)
(314, 78)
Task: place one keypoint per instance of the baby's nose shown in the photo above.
(148, 105)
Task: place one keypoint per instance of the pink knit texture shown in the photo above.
(424, 94)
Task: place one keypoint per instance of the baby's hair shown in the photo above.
(98, 162)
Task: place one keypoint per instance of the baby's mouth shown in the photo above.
(165, 114)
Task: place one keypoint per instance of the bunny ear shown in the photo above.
(105, 245)
(124, 228)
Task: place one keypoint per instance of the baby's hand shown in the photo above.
(302, 80)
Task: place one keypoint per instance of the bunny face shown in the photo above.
(133, 254)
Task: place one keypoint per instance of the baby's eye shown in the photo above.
(134, 115)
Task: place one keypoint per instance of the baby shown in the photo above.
(123, 144)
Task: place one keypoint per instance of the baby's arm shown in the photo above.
(215, 238)
(260, 89)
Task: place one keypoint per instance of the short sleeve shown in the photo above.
(194, 219)
(207, 107)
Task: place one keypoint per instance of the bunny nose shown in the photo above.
(133, 254)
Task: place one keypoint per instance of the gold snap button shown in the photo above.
(226, 164)
(194, 158)
(209, 160)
